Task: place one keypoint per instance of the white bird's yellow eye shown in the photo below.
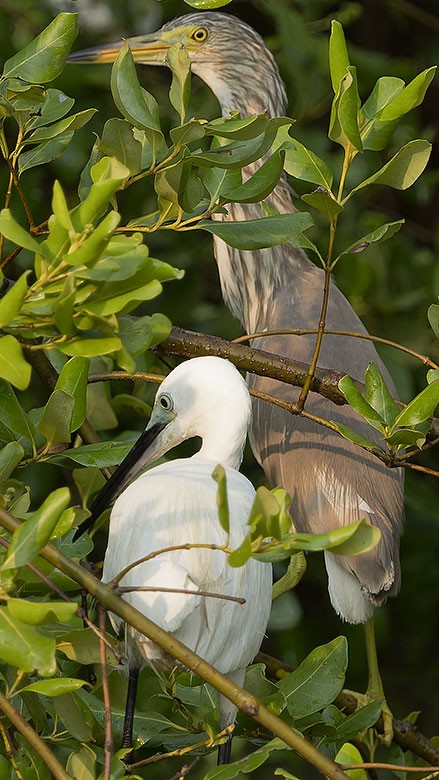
(199, 35)
(166, 402)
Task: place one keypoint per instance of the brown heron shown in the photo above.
(332, 482)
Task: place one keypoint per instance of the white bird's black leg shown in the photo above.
(224, 751)
(127, 734)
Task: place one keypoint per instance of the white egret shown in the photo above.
(175, 503)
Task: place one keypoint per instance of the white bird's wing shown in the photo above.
(175, 504)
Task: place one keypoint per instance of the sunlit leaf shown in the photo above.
(57, 686)
(13, 366)
(178, 61)
(24, 646)
(10, 304)
(219, 475)
(349, 754)
(36, 613)
(43, 59)
(420, 408)
(14, 232)
(403, 169)
(338, 54)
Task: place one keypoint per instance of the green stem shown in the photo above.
(241, 698)
(40, 747)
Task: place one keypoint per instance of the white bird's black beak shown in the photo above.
(125, 472)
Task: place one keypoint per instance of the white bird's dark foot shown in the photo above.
(224, 751)
(127, 733)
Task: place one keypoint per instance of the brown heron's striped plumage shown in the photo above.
(332, 482)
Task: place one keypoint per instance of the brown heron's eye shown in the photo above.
(199, 35)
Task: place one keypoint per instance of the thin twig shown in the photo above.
(393, 767)
(185, 591)
(115, 581)
(207, 743)
(108, 745)
(427, 361)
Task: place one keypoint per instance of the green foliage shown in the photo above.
(84, 298)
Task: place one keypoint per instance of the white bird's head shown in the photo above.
(205, 397)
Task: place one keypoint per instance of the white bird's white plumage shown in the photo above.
(175, 503)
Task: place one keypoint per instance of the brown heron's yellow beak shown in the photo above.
(146, 49)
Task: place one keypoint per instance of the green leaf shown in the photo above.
(246, 765)
(403, 169)
(56, 106)
(259, 233)
(10, 456)
(324, 201)
(356, 438)
(380, 234)
(338, 55)
(118, 141)
(411, 96)
(43, 59)
(55, 424)
(318, 679)
(70, 123)
(343, 126)
(384, 91)
(222, 502)
(303, 164)
(13, 415)
(32, 535)
(178, 61)
(239, 128)
(11, 303)
(99, 455)
(133, 102)
(14, 232)
(203, 5)
(73, 380)
(258, 186)
(57, 686)
(359, 721)
(420, 408)
(349, 754)
(23, 646)
(359, 403)
(90, 347)
(79, 722)
(83, 646)
(378, 395)
(13, 366)
(35, 613)
(44, 152)
(433, 318)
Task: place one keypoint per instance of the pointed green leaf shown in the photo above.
(433, 318)
(12, 414)
(14, 232)
(219, 475)
(43, 59)
(338, 54)
(100, 455)
(258, 186)
(133, 102)
(73, 380)
(91, 347)
(55, 424)
(378, 395)
(118, 141)
(56, 106)
(303, 164)
(318, 679)
(32, 535)
(178, 61)
(380, 234)
(44, 152)
(323, 201)
(259, 233)
(10, 304)
(355, 437)
(420, 408)
(202, 5)
(403, 169)
(57, 686)
(343, 126)
(13, 366)
(73, 122)
(411, 96)
(384, 91)
(359, 721)
(23, 646)
(10, 456)
(359, 403)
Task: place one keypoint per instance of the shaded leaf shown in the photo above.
(408, 98)
(219, 475)
(118, 141)
(403, 169)
(55, 424)
(178, 61)
(11, 303)
(258, 186)
(259, 233)
(44, 152)
(133, 102)
(318, 679)
(246, 765)
(338, 54)
(73, 381)
(36, 613)
(380, 234)
(10, 456)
